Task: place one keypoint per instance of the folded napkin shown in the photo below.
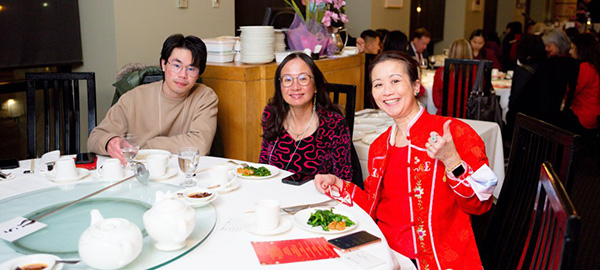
(48, 158)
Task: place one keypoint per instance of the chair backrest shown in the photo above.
(552, 237)
(61, 110)
(459, 77)
(534, 142)
(279, 17)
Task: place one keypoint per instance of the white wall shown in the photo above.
(454, 24)
(359, 16)
(390, 18)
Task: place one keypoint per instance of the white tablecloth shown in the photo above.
(502, 88)
(232, 249)
(488, 131)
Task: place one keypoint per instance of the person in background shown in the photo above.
(571, 32)
(459, 49)
(395, 41)
(557, 43)
(512, 35)
(167, 114)
(530, 53)
(382, 34)
(303, 131)
(480, 51)
(427, 174)
(585, 108)
(418, 44)
(371, 42)
(493, 43)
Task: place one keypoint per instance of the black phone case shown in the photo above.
(355, 240)
(89, 158)
(290, 181)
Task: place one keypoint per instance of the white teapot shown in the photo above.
(109, 243)
(169, 222)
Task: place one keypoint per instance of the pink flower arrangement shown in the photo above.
(322, 11)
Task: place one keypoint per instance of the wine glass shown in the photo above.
(130, 147)
(188, 160)
(423, 63)
(432, 61)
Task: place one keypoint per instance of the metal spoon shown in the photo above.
(68, 261)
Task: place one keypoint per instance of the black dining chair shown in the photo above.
(60, 104)
(534, 141)
(349, 109)
(279, 17)
(551, 242)
(459, 77)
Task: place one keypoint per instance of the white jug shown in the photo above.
(169, 222)
(109, 243)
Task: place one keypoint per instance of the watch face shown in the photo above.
(458, 171)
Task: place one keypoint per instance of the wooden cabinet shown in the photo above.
(244, 90)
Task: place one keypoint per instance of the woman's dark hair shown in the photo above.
(382, 33)
(395, 41)
(515, 27)
(192, 43)
(278, 108)
(588, 50)
(412, 66)
(530, 49)
(480, 33)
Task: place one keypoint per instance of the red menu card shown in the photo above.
(295, 250)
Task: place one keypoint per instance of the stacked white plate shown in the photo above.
(279, 41)
(258, 44)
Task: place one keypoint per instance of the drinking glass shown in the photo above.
(129, 146)
(432, 61)
(188, 160)
(423, 63)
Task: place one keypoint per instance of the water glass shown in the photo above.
(188, 161)
(432, 61)
(129, 146)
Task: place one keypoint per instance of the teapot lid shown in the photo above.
(169, 206)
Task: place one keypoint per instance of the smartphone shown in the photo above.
(85, 158)
(353, 241)
(297, 179)
(10, 163)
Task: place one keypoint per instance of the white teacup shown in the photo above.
(65, 169)
(157, 165)
(111, 170)
(221, 175)
(510, 73)
(495, 72)
(267, 214)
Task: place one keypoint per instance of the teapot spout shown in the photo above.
(96, 216)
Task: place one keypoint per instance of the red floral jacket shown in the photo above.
(440, 204)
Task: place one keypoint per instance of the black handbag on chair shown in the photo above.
(484, 105)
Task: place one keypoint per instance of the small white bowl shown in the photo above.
(188, 192)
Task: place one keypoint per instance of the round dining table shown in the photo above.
(229, 244)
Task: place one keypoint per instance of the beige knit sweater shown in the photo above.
(158, 121)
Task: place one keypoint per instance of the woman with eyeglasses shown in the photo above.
(303, 131)
(427, 174)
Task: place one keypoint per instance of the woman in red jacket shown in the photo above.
(427, 174)
(459, 49)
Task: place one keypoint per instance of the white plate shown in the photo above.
(47, 259)
(365, 128)
(197, 204)
(233, 186)
(81, 173)
(357, 135)
(369, 138)
(168, 174)
(274, 171)
(283, 226)
(96, 175)
(370, 121)
(301, 219)
(144, 153)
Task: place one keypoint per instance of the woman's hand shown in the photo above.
(442, 147)
(323, 181)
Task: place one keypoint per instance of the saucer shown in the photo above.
(81, 173)
(234, 185)
(168, 174)
(46, 259)
(283, 226)
(96, 175)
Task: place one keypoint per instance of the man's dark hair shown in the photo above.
(369, 34)
(419, 33)
(395, 41)
(192, 43)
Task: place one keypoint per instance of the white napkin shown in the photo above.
(49, 157)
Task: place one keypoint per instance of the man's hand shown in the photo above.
(114, 149)
(323, 181)
(442, 147)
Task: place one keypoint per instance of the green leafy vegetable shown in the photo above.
(260, 171)
(324, 217)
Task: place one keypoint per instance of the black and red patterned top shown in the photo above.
(326, 151)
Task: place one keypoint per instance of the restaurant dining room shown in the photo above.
(299, 134)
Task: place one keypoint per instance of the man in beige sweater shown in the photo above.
(166, 114)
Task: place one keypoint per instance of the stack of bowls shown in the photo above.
(220, 50)
(257, 44)
(279, 41)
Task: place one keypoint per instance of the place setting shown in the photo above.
(256, 171)
(65, 171)
(266, 219)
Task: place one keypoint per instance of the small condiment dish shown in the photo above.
(195, 194)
